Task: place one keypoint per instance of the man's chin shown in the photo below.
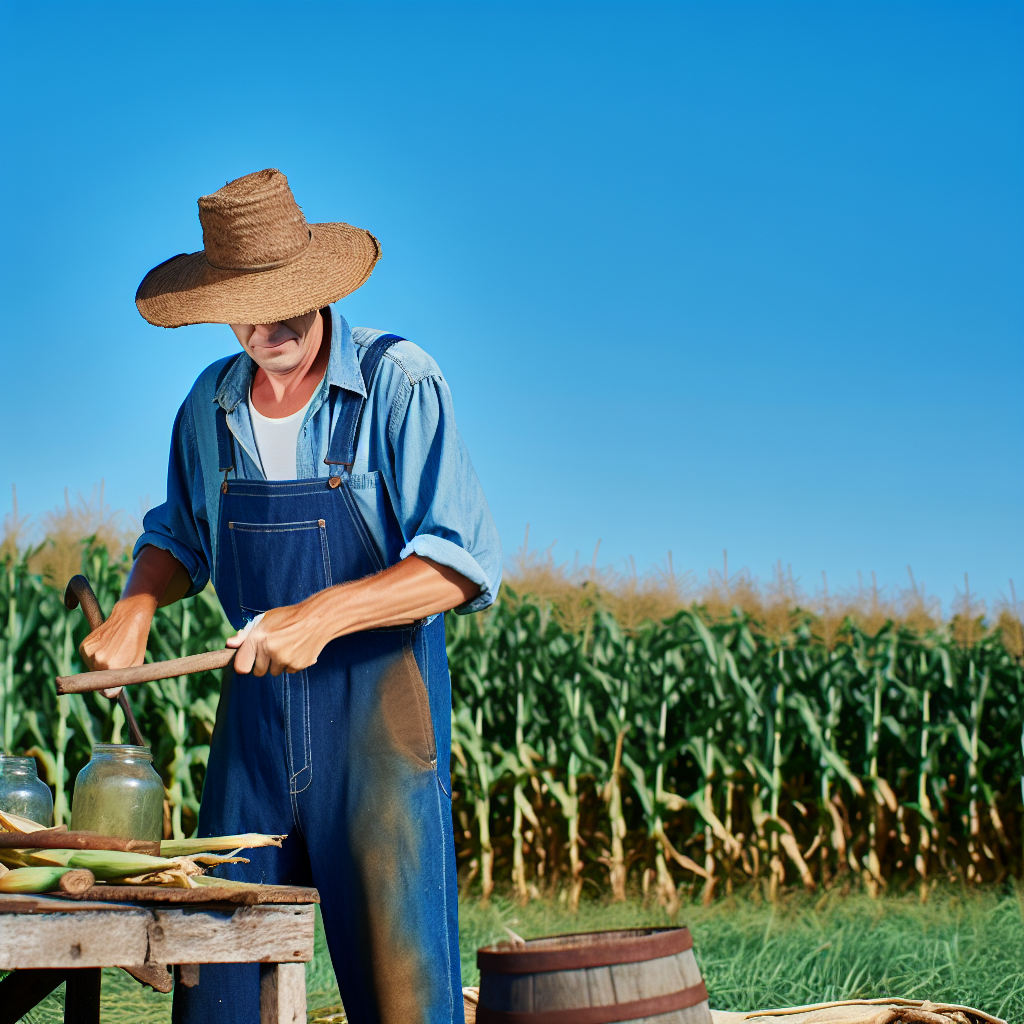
(275, 360)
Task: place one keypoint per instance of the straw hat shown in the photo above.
(261, 261)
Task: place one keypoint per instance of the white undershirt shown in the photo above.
(277, 440)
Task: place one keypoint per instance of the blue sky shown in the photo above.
(701, 276)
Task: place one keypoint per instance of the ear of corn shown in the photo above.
(45, 879)
(111, 864)
(247, 841)
(36, 858)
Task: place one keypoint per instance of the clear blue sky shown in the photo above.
(700, 275)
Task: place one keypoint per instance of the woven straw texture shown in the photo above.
(852, 1011)
(261, 262)
(862, 1011)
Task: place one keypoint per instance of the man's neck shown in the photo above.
(281, 394)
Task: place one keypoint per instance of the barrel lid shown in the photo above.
(580, 950)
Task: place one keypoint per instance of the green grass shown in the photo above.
(753, 956)
(960, 948)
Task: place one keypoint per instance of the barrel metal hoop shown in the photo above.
(608, 1014)
(630, 948)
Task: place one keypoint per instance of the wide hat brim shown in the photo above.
(188, 290)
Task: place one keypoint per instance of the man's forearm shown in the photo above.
(158, 576)
(291, 638)
(413, 589)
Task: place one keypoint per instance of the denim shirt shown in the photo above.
(412, 477)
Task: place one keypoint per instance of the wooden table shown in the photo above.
(160, 938)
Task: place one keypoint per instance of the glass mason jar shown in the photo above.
(23, 792)
(118, 793)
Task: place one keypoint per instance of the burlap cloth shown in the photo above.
(850, 1011)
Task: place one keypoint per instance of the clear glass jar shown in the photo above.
(23, 792)
(118, 793)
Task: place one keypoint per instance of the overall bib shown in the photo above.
(349, 757)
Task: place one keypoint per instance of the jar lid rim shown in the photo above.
(125, 749)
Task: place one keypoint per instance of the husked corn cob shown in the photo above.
(46, 879)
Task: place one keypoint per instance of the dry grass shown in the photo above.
(54, 547)
(574, 591)
(1010, 623)
(776, 608)
(968, 617)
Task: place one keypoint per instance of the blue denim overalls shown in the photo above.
(350, 757)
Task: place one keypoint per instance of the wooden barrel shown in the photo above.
(644, 975)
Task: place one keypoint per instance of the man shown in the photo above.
(319, 480)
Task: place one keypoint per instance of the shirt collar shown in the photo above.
(342, 368)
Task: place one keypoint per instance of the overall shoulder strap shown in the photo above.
(225, 447)
(342, 449)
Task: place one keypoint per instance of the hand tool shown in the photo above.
(79, 592)
(84, 682)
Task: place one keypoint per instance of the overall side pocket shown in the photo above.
(405, 708)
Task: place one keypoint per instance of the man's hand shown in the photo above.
(281, 640)
(121, 641)
(157, 578)
(290, 639)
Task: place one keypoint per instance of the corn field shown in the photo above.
(630, 746)
(708, 752)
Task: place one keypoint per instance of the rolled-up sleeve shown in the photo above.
(179, 525)
(440, 504)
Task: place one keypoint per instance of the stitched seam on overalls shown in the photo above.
(238, 566)
(426, 727)
(357, 520)
(307, 524)
(425, 675)
(325, 554)
(307, 742)
(290, 746)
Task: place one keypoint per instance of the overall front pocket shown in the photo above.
(279, 564)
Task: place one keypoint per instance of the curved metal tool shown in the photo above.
(79, 592)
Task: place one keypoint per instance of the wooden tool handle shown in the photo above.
(46, 839)
(78, 592)
(101, 680)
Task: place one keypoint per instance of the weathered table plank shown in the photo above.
(158, 935)
(93, 938)
(264, 934)
(45, 940)
(244, 895)
(21, 903)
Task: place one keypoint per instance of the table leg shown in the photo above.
(82, 996)
(21, 990)
(283, 994)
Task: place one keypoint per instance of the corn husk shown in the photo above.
(246, 841)
(16, 823)
(204, 880)
(183, 876)
(111, 865)
(213, 859)
(25, 858)
(42, 879)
